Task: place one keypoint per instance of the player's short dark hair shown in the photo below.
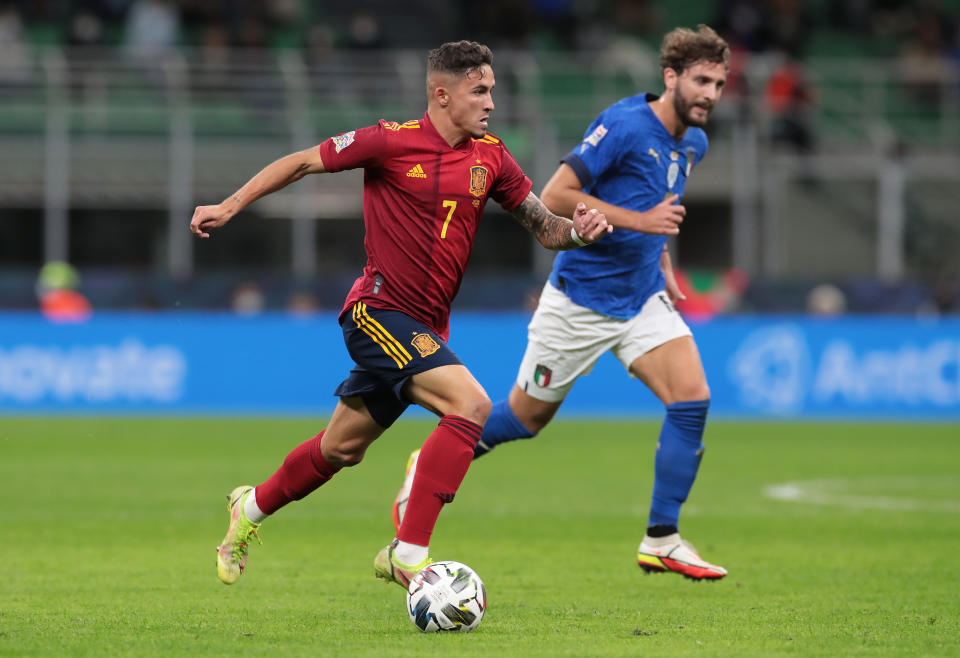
(682, 48)
(458, 57)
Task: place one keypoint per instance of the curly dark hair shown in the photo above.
(458, 57)
(682, 48)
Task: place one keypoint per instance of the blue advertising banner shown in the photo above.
(757, 366)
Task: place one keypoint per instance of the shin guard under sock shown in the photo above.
(441, 466)
(502, 426)
(302, 472)
(678, 457)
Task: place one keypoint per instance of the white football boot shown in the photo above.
(671, 553)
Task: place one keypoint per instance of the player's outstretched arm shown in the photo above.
(559, 233)
(564, 191)
(273, 177)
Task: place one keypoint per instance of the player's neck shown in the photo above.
(663, 109)
(451, 134)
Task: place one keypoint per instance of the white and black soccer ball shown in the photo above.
(446, 596)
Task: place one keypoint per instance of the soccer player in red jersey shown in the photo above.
(425, 186)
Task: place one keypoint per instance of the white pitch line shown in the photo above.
(845, 492)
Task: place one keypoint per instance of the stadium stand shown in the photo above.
(93, 132)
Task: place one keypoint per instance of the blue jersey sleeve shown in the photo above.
(602, 149)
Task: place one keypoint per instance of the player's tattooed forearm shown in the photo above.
(551, 231)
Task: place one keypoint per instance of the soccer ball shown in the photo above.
(446, 596)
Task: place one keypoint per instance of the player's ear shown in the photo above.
(438, 88)
(669, 78)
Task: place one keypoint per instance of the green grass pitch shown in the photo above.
(109, 528)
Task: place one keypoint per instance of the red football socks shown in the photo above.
(444, 460)
(303, 471)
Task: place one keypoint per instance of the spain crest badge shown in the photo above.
(425, 344)
(478, 180)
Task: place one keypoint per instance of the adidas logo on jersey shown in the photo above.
(416, 172)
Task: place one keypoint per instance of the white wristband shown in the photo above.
(576, 238)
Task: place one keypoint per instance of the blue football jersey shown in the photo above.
(627, 159)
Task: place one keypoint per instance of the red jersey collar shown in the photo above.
(434, 135)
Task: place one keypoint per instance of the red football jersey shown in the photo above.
(422, 203)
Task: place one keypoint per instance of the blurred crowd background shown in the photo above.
(831, 186)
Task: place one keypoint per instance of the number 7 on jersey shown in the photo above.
(452, 205)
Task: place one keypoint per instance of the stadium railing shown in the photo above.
(95, 129)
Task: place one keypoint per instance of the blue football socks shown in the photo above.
(502, 426)
(678, 458)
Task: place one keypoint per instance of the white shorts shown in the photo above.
(565, 339)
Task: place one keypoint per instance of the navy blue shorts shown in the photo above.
(388, 347)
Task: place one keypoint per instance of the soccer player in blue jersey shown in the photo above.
(618, 294)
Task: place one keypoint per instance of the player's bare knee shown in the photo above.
(481, 409)
(691, 392)
(475, 408)
(700, 392)
(694, 395)
(344, 459)
(344, 455)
